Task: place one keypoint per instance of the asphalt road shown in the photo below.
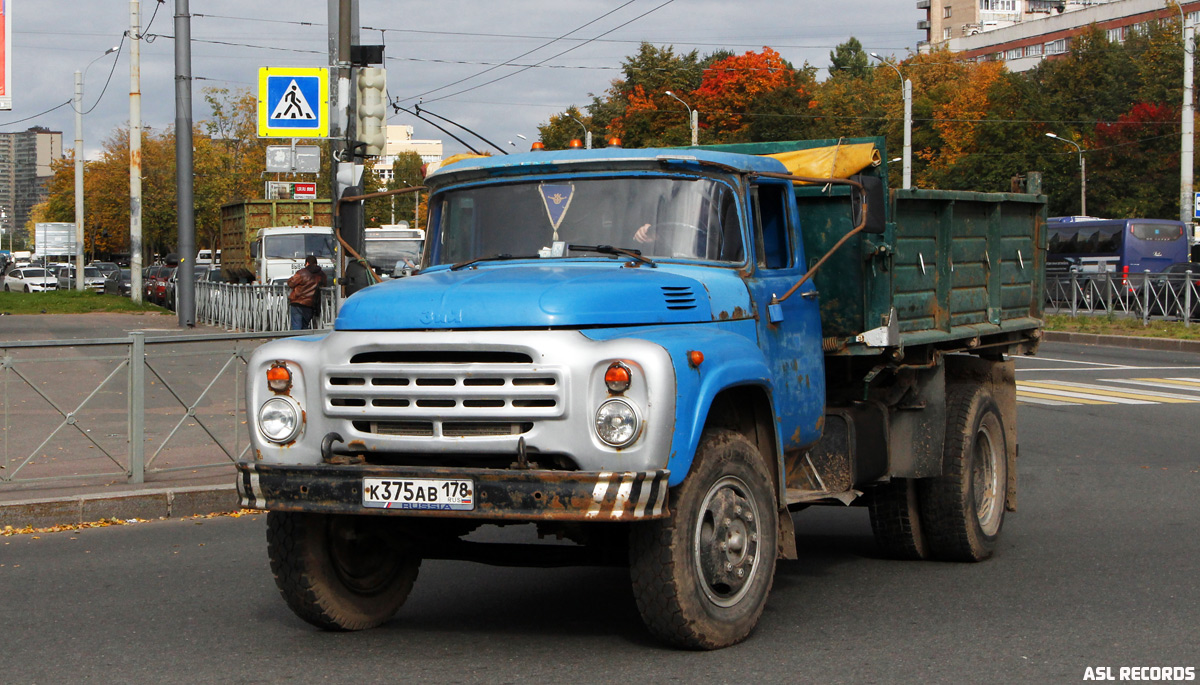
(1098, 567)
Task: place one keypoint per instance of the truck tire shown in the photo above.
(339, 572)
(963, 509)
(702, 575)
(896, 520)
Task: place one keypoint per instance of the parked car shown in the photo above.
(151, 277)
(198, 274)
(159, 286)
(93, 280)
(107, 269)
(119, 283)
(29, 279)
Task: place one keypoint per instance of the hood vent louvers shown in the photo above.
(679, 297)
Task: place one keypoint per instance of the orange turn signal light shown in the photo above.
(618, 377)
(695, 358)
(279, 378)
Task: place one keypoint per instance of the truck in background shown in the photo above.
(393, 250)
(629, 350)
(266, 241)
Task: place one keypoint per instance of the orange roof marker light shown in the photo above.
(537, 146)
(614, 142)
(575, 144)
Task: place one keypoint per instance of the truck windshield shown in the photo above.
(385, 253)
(298, 246)
(672, 218)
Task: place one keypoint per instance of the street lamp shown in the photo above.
(1082, 173)
(79, 284)
(587, 135)
(906, 90)
(693, 116)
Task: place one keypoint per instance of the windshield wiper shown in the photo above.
(493, 258)
(609, 249)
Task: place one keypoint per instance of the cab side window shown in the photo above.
(771, 225)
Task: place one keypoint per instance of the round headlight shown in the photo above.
(279, 419)
(617, 423)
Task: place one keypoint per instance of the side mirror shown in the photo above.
(872, 196)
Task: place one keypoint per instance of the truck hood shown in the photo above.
(567, 294)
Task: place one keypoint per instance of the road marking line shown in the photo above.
(1072, 361)
(1161, 383)
(1114, 368)
(1062, 391)
(1192, 382)
(1115, 392)
(1059, 399)
(1034, 398)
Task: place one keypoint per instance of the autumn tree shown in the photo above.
(561, 129)
(732, 86)
(637, 109)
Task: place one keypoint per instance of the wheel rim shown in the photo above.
(366, 563)
(726, 539)
(987, 481)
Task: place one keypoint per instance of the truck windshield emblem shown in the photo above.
(557, 198)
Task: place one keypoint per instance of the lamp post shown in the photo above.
(79, 284)
(906, 91)
(587, 135)
(1082, 173)
(693, 117)
(1187, 123)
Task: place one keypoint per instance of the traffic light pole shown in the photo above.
(344, 172)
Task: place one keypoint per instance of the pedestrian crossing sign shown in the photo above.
(293, 102)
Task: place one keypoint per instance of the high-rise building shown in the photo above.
(1024, 32)
(25, 159)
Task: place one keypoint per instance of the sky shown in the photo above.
(466, 60)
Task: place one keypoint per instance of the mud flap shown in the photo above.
(787, 536)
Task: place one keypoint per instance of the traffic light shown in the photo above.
(372, 109)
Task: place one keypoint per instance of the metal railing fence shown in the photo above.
(122, 408)
(252, 307)
(1145, 296)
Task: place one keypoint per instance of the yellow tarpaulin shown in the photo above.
(451, 160)
(840, 161)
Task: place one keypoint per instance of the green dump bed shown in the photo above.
(952, 265)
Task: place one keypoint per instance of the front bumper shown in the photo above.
(509, 495)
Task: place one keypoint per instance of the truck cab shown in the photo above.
(280, 251)
(628, 349)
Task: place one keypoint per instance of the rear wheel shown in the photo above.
(340, 572)
(701, 576)
(963, 509)
(896, 520)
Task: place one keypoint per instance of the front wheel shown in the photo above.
(963, 509)
(340, 572)
(701, 576)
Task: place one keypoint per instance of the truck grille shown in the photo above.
(444, 394)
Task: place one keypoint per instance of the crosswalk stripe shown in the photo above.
(1163, 383)
(1035, 398)
(1190, 382)
(1114, 392)
(1058, 398)
(1060, 391)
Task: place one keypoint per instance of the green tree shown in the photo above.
(561, 129)
(849, 59)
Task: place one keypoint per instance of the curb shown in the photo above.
(144, 504)
(1127, 341)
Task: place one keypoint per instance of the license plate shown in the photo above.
(445, 494)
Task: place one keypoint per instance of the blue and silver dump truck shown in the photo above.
(656, 357)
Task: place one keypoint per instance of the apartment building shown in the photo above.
(25, 159)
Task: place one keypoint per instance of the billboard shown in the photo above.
(54, 240)
(5, 54)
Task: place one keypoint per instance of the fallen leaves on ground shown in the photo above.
(104, 523)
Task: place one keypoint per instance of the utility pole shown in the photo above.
(185, 283)
(1187, 128)
(135, 151)
(343, 32)
(79, 285)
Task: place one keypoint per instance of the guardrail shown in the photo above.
(122, 408)
(1146, 295)
(252, 307)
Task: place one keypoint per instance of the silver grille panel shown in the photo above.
(444, 399)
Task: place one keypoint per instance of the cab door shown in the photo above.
(789, 333)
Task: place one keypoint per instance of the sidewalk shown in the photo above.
(208, 491)
(176, 494)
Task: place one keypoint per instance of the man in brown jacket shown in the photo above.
(305, 287)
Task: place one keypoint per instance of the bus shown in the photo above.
(393, 250)
(1115, 246)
